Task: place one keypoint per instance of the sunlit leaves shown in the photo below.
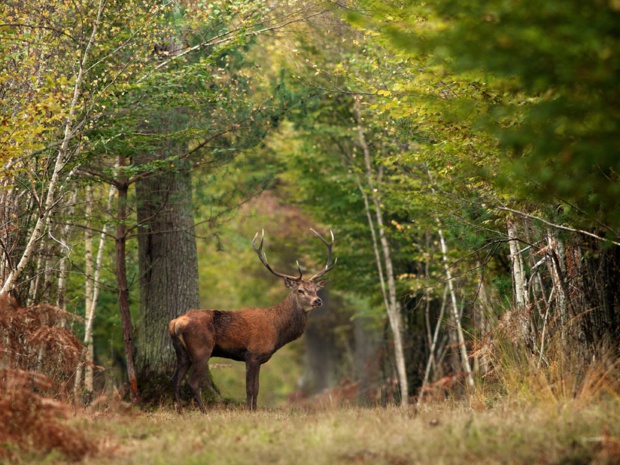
(546, 89)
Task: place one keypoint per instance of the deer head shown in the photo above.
(304, 291)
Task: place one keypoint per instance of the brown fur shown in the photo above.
(252, 335)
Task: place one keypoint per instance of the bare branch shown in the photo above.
(557, 226)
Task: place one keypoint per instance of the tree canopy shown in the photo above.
(465, 154)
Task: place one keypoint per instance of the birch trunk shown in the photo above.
(61, 159)
(91, 292)
(483, 311)
(455, 313)
(88, 282)
(392, 307)
(557, 277)
(455, 309)
(433, 347)
(61, 297)
(519, 281)
(518, 274)
(90, 315)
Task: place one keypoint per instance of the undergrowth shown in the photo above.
(38, 357)
(527, 408)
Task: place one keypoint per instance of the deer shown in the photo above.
(251, 335)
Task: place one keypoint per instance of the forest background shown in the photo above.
(465, 155)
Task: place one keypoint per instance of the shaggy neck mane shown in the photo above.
(291, 320)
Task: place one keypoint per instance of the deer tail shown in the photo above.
(176, 331)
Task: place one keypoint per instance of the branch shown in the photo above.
(227, 37)
(557, 226)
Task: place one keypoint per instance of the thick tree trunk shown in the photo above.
(168, 267)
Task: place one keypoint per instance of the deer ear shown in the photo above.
(291, 283)
(320, 284)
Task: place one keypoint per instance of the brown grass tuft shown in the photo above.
(31, 421)
(38, 358)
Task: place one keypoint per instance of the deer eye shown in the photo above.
(300, 291)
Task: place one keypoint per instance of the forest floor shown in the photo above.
(438, 433)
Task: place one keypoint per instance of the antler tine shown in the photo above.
(263, 259)
(329, 265)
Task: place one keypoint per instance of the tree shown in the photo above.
(545, 110)
(62, 154)
(205, 112)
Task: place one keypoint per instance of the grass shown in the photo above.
(522, 412)
(446, 433)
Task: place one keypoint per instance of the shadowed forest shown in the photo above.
(458, 161)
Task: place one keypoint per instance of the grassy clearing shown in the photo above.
(436, 434)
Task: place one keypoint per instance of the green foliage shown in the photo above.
(542, 79)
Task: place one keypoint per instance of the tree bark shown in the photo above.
(455, 311)
(390, 300)
(455, 314)
(61, 159)
(519, 281)
(168, 266)
(122, 284)
(92, 286)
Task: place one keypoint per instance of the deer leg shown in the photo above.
(252, 370)
(195, 380)
(183, 364)
(199, 348)
(176, 382)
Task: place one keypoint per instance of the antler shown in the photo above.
(328, 265)
(263, 259)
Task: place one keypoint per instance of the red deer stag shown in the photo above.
(251, 335)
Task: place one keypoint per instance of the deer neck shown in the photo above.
(291, 320)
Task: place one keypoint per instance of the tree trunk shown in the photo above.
(559, 284)
(455, 311)
(61, 158)
(61, 295)
(455, 314)
(519, 281)
(390, 300)
(518, 274)
(92, 286)
(433, 344)
(88, 292)
(122, 284)
(168, 265)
